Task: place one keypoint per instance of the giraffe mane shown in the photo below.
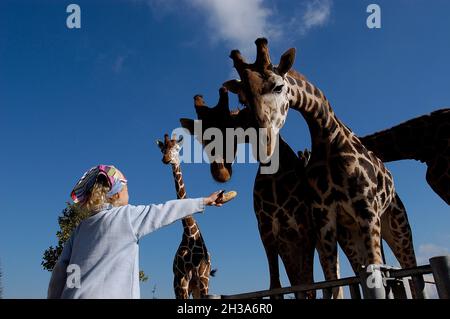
(297, 75)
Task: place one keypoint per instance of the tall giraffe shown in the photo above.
(192, 262)
(284, 223)
(349, 188)
(426, 139)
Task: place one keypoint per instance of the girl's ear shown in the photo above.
(111, 200)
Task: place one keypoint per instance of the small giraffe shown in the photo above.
(192, 262)
(426, 139)
(349, 188)
(284, 224)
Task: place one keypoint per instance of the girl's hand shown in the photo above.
(213, 199)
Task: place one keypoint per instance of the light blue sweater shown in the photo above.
(105, 248)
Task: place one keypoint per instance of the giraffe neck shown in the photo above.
(413, 139)
(325, 128)
(287, 157)
(189, 225)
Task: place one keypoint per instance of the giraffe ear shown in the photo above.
(160, 144)
(286, 62)
(234, 86)
(180, 140)
(187, 124)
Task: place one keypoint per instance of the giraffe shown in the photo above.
(192, 262)
(350, 191)
(284, 224)
(220, 117)
(426, 139)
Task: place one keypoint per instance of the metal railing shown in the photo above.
(375, 282)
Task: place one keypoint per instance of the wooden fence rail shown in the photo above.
(375, 281)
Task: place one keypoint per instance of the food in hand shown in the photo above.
(226, 197)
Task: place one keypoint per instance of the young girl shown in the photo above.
(101, 259)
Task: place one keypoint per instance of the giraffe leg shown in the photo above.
(308, 247)
(396, 231)
(350, 248)
(181, 287)
(272, 259)
(327, 248)
(293, 272)
(196, 290)
(299, 270)
(203, 280)
(297, 253)
(370, 233)
(307, 270)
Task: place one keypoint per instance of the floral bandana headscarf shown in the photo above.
(82, 189)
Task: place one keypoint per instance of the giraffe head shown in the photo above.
(219, 117)
(264, 88)
(170, 149)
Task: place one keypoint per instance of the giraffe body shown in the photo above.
(284, 222)
(192, 262)
(426, 139)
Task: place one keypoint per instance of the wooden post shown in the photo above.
(400, 288)
(441, 272)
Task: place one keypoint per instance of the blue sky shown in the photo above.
(71, 99)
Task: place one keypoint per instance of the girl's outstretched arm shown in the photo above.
(145, 219)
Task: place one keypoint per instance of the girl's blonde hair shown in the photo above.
(97, 198)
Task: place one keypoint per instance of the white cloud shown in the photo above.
(317, 13)
(236, 21)
(240, 22)
(426, 251)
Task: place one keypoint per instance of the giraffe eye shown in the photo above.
(278, 88)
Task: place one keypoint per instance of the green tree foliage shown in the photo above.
(71, 216)
(142, 276)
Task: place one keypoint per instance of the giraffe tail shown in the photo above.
(212, 273)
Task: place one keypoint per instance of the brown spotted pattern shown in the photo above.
(192, 262)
